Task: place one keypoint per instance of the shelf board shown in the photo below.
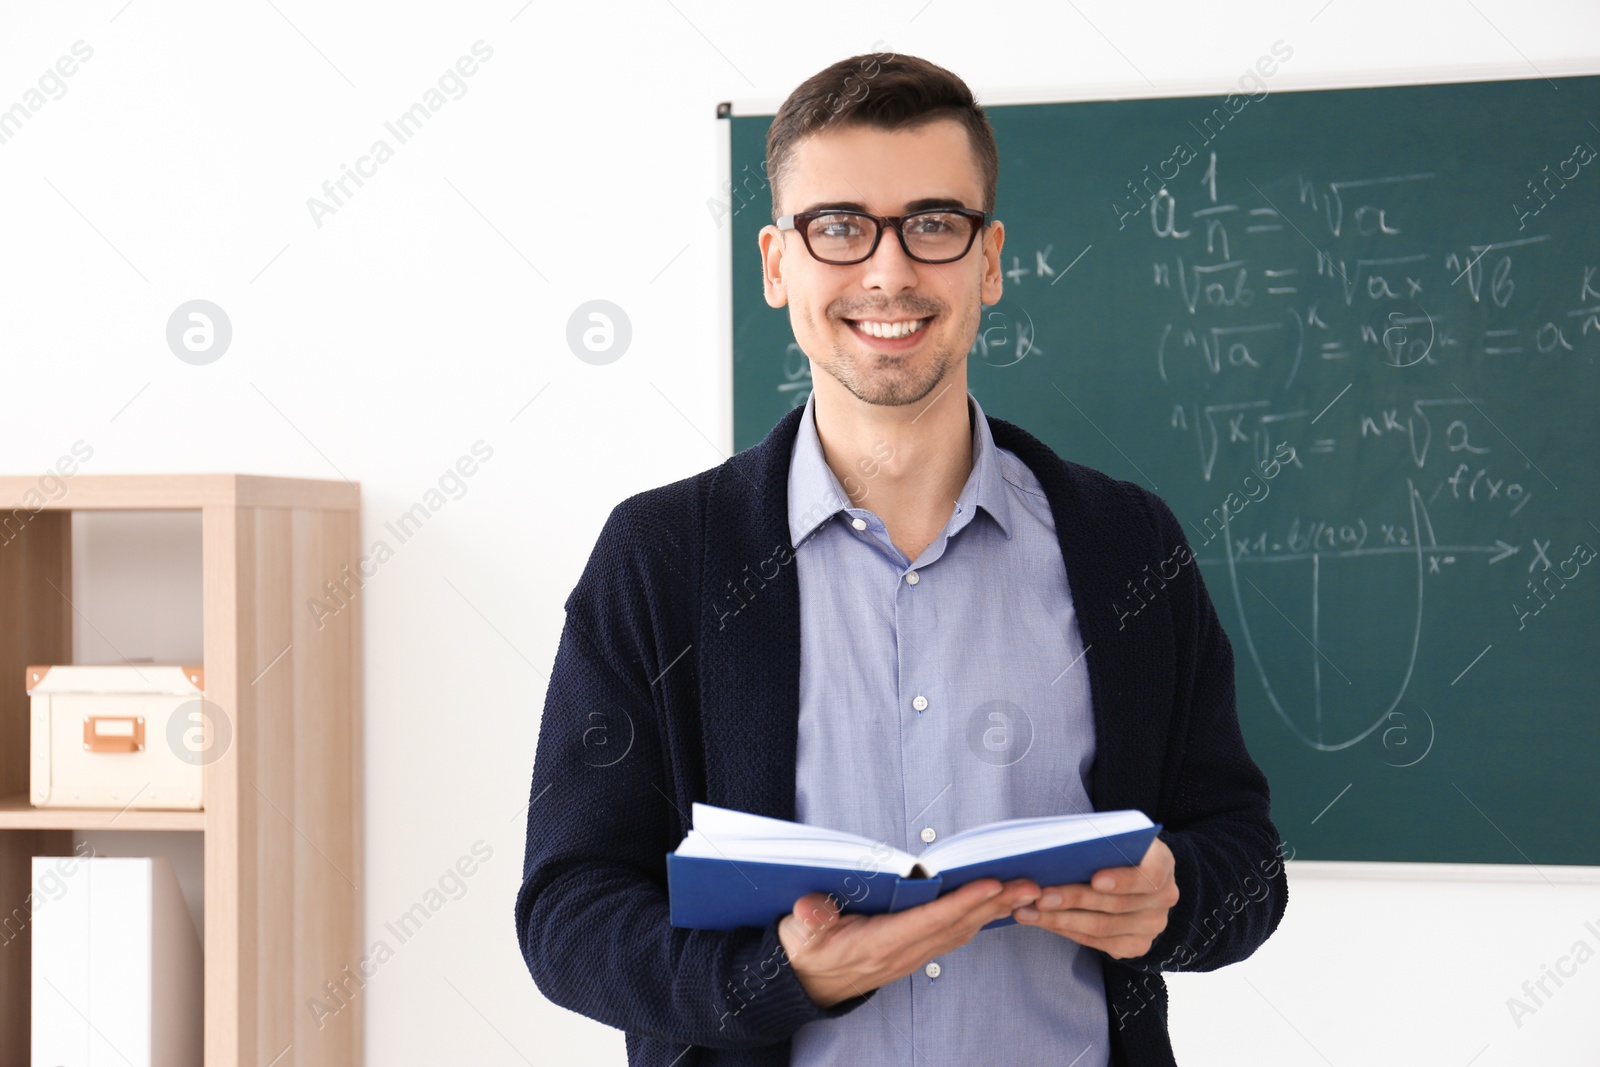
(180, 491)
(17, 814)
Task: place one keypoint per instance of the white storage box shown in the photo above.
(117, 968)
(103, 737)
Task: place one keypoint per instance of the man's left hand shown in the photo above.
(1120, 911)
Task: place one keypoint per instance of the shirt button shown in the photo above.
(860, 524)
(932, 969)
(912, 579)
(928, 833)
(920, 703)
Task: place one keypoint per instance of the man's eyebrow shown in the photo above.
(925, 204)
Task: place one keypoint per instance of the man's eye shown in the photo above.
(836, 228)
(932, 225)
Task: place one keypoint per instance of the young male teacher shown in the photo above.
(893, 616)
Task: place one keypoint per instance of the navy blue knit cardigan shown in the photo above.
(677, 679)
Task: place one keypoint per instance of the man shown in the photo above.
(758, 637)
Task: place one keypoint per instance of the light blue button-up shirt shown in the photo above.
(935, 696)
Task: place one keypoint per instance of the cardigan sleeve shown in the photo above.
(1216, 812)
(592, 912)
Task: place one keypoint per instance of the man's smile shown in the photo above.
(889, 330)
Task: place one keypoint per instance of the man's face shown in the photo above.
(884, 173)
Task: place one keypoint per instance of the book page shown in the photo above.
(1014, 837)
(722, 833)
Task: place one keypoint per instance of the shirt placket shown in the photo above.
(922, 695)
(923, 698)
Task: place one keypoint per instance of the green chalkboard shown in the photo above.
(1398, 287)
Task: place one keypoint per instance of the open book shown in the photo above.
(737, 869)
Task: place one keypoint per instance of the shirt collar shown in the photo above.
(815, 494)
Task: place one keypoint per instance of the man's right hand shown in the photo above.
(837, 957)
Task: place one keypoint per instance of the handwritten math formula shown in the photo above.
(1317, 313)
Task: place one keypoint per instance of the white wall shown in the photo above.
(432, 306)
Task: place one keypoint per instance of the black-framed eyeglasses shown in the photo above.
(841, 238)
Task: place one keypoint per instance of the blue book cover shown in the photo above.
(719, 887)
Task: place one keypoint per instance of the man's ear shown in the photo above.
(993, 238)
(771, 242)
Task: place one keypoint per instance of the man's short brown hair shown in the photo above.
(885, 91)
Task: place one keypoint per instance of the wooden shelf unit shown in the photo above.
(282, 822)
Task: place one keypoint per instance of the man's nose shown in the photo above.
(889, 267)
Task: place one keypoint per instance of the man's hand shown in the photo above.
(1120, 911)
(837, 957)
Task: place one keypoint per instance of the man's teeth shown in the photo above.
(889, 330)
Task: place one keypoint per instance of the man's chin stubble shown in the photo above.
(890, 393)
